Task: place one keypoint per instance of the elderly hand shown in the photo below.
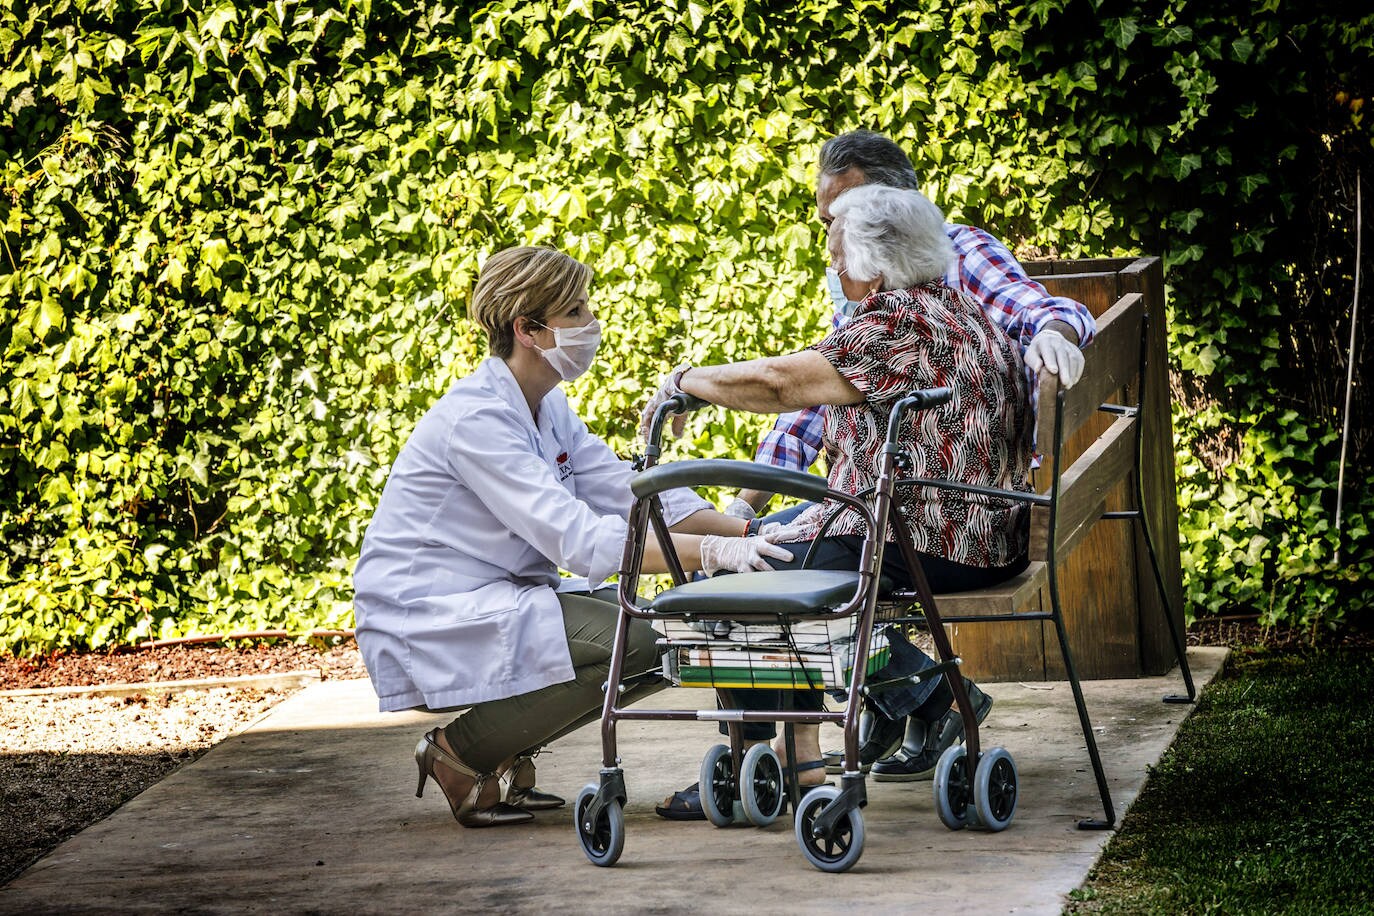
(784, 532)
(738, 508)
(738, 554)
(1052, 351)
(667, 389)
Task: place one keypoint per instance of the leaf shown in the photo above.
(1121, 31)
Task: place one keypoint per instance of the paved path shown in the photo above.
(312, 810)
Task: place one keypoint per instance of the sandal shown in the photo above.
(789, 774)
(684, 805)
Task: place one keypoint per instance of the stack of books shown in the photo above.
(813, 665)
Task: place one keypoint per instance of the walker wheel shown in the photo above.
(951, 787)
(761, 785)
(603, 841)
(717, 783)
(994, 789)
(841, 849)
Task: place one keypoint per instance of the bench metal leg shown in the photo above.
(1110, 819)
(1180, 651)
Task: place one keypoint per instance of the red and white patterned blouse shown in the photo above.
(903, 340)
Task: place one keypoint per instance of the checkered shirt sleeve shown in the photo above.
(794, 441)
(986, 270)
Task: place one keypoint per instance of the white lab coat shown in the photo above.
(455, 586)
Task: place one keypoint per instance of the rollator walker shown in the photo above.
(972, 787)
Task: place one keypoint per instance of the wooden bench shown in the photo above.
(1075, 494)
(1116, 623)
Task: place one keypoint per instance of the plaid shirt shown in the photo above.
(988, 272)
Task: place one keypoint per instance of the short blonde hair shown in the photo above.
(523, 282)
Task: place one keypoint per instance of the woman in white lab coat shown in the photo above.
(458, 596)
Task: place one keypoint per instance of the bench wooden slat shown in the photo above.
(1005, 598)
(1084, 487)
(1109, 363)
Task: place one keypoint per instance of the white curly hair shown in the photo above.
(893, 232)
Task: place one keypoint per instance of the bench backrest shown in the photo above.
(1108, 449)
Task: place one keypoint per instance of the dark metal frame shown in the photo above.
(646, 513)
(927, 601)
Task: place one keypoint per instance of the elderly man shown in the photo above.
(1049, 328)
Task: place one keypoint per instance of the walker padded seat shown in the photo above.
(796, 593)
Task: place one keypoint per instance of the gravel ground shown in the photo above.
(68, 761)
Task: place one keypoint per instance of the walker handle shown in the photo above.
(924, 399)
(678, 403)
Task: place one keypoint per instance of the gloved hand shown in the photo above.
(783, 533)
(738, 554)
(1052, 351)
(738, 508)
(667, 388)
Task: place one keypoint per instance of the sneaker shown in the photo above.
(879, 736)
(912, 762)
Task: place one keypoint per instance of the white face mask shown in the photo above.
(843, 304)
(573, 349)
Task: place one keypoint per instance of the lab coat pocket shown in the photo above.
(461, 642)
(498, 641)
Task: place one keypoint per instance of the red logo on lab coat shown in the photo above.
(564, 468)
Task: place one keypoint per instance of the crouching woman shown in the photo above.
(458, 596)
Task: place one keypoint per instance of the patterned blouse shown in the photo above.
(904, 340)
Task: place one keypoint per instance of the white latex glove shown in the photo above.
(738, 554)
(667, 388)
(1051, 351)
(780, 533)
(738, 508)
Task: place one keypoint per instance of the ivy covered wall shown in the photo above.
(238, 241)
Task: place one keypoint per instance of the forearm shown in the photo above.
(709, 521)
(754, 386)
(756, 499)
(772, 385)
(687, 546)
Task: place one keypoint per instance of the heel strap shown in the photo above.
(808, 765)
(452, 762)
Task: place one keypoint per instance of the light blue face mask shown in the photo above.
(843, 304)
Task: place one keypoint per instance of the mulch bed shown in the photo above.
(179, 662)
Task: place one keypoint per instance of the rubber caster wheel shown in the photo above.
(717, 783)
(952, 788)
(761, 785)
(603, 841)
(994, 789)
(835, 853)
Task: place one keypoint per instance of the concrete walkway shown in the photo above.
(312, 810)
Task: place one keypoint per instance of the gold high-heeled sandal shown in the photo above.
(428, 753)
(528, 796)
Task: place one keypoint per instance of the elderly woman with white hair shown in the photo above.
(910, 331)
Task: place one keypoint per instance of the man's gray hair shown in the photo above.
(898, 234)
(881, 160)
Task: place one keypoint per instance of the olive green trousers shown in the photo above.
(490, 733)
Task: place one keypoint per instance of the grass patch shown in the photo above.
(1263, 803)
